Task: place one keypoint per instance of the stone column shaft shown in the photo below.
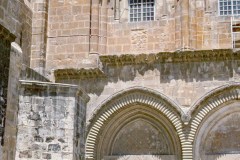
(185, 24)
(39, 35)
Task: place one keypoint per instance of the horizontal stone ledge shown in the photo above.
(54, 87)
(82, 73)
(39, 83)
(169, 57)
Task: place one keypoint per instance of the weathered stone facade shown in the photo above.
(80, 81)
(49, 117)
(5, 46)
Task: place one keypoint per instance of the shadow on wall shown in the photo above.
(159, 73)
(186, 71)
(29, 74)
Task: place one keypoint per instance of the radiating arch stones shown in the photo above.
(206, 105)
(122, 99)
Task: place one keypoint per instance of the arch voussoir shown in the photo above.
(125, 98)
(207, 105)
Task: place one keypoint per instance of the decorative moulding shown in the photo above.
(162, 57)
(165, 57)
(54, 87)
(63, 74)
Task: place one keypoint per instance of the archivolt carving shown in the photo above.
(219, 133)
(223, 90)
(128, 97)
(167, 107)
(207, 104)
(118, 138)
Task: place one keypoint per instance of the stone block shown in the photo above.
(76, 10)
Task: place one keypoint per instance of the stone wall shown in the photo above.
(187, 79)
(125, 37)
(5, 66)
(10, 131)
(4, 71)
(68, 34)
(15, 22)
(80, 128)
(79, 31)
(213, 31)
(9, 16)
(16, 16)
(5, 46)
(25, 39)
(182, 25)
(46, 121)
(96, 39)
(183, 77)
(39, 35)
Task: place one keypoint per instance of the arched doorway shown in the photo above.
(136, 123)
(138, 131)
(218, 135)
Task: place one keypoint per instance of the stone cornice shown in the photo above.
(165, 57)
(131, 59)
(63, 74)
(6, 34)
(55, 87)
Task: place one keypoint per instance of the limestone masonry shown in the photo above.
(119, 79)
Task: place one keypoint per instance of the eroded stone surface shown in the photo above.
(47, 124)
(93, 45)
(140, 138)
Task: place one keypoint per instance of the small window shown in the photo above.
(229, 7)
(141, 10)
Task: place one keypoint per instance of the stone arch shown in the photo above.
(222, 94)
(218, 135)
(124, 99)
(138, 130)
(209, 104)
